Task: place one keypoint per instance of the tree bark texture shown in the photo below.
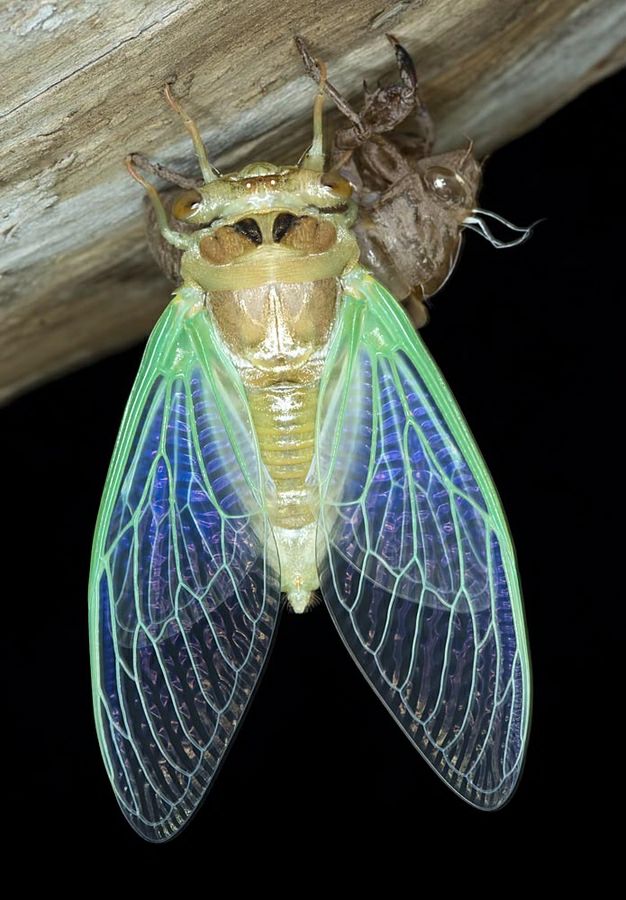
(83, 87)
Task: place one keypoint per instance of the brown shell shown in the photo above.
(409, 237)
(408, 231)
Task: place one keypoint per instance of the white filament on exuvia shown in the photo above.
(474, 223)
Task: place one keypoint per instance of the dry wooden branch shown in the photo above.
(85, 88)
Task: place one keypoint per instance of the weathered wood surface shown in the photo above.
(82, 87)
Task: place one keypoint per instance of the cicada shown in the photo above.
(288, 435)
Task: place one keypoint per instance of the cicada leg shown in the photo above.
(159, 171)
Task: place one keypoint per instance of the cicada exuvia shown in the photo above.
(288, 435)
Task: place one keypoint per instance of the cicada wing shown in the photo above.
(185, 584)
(415, 559)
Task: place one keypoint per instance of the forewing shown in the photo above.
(184, 586)
(415, 558)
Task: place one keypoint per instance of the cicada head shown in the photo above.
(268, 223)
(262, 224)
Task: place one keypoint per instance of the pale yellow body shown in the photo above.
(278, 335)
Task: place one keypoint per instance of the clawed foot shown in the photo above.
(383, 109)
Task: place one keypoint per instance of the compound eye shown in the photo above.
(337, 184)
(186, 205)
(446, 184)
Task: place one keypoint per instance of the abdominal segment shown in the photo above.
(278, 337)
(284, 419)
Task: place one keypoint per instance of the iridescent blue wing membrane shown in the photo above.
(416, 563)
(185, 584)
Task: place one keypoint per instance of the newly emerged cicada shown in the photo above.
(289, 434)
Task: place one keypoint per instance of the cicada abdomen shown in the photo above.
(288, 434)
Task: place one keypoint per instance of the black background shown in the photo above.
(528, 340)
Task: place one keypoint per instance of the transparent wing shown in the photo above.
(184, 585)
(415, 559)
